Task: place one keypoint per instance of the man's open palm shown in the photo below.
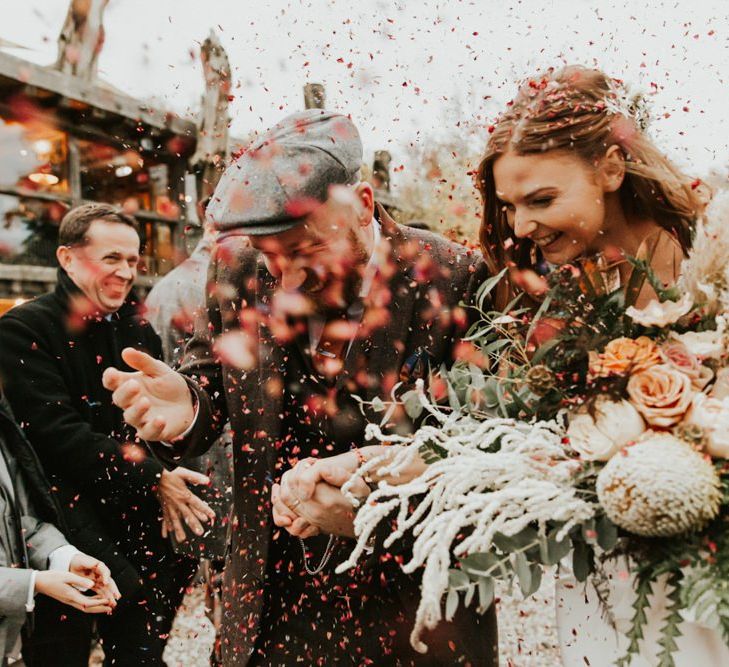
(156, 400)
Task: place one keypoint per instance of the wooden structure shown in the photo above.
(81, 38)
(209, 160)
(65, 141)
(314, 96)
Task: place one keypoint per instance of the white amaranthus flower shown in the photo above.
(529, 480)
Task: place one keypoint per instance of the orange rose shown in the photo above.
(662, 394)
(623, 356)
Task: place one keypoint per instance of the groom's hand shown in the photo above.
(309, 499)
(156, 400)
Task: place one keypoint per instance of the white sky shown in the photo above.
(411, 69)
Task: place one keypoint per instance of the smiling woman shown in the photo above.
(569, 174)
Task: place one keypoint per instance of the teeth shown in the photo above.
(546, 240)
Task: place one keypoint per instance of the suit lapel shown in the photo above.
(270, 367)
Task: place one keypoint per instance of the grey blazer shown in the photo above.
(40, 538)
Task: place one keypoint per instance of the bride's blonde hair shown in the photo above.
(584, 112)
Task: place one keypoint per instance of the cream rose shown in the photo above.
(661, 313)
(703, 344)
(721, 384)
(674, 353)
(712, 415)
(661, 394)
(600, 435)
(623, 356)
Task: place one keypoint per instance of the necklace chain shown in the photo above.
(324, 559)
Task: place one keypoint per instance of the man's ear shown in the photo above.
(612, 169)
(63, 255)
(366, 198)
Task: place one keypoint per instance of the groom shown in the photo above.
(315, 299)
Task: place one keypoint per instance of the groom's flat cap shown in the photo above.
(286, 173)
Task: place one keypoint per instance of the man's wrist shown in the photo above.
(193, 421)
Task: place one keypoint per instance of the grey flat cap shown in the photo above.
(284, 174)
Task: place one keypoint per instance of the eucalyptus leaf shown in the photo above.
(607, 533)
(581, 560)
(523, 572)
(468, 597)
(453, 398)
(377, 404)
(411, 403)
(485, 593)
(451, 604)
(490, 393)
(478, 381)
(478, 563)
(536, 574)
(538, 315)
(457, 579)
(487, 287)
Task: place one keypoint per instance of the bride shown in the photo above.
(569, 174)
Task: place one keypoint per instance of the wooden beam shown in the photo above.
(314, 96)
(93, 94)
(81, 38)
(211, 155)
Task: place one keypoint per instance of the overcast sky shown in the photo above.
(409, 70)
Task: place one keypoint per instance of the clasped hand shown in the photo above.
(309, 500)
(84, 573)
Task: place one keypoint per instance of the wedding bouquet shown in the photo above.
(585, 430)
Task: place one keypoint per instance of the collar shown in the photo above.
(373, 265)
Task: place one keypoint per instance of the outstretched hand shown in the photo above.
(156, 400)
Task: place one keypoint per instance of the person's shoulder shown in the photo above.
(456, 257)
(35, 313)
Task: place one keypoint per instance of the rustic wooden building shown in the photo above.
(64, 141)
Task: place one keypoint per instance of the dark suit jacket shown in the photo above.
(426, 277)
(51, 365)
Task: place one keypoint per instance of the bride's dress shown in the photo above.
(586, 637)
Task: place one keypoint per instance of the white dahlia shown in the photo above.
(659, 487)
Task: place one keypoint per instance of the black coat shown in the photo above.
(51, 364)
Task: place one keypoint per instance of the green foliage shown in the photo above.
(671, 629)
(432, 452)
(643, 589)
(577, 315)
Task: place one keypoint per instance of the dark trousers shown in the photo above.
(135, 634)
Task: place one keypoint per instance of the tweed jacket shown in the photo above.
(421, 286)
